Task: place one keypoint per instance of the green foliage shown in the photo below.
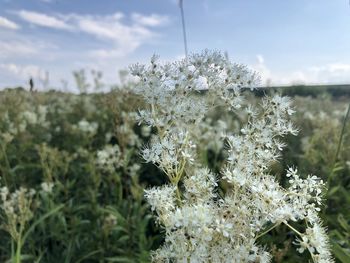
(91, 214)
(94, 214)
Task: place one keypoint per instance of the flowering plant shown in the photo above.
(203, 222)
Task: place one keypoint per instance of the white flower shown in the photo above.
(88, 127)
(30, 117)
(109, 158)
(204, 223)
(161, 199)
(47, 186)
(315, 240)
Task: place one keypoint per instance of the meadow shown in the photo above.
(73, 178)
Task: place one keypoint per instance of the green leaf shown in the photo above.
(336, 234)
(22, 257)
(48, 214)
(120, 259)
(333, 190)
(338, 167)
(340, 253)
(89, 255)
(343, 223)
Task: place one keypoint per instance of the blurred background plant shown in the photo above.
(71, 177)
(80, 154)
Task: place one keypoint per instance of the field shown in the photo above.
(73, 176)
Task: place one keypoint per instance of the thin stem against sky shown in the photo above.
(183, 26)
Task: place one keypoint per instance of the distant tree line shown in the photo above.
(335, 91)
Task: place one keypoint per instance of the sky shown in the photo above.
(287, 42)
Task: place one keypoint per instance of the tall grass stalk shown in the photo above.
(329, 180)
(183, 26)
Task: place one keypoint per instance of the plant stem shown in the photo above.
(19, 245)
(267, 230)
(183, 26)
(178, 195)
(7, 163)
(330, 177)
(296, 231)
(18, 251)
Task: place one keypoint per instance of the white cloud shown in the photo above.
(105, 53)
(6, 23)
(125, 37)
(15, 74)
(110, 27)
(11, 48)
(23, 72)
(152, 20)
(114, 36)
(332, 73)
(263, 70)
(44, 20)
(333, 68)
(260, 59)
(19, 46)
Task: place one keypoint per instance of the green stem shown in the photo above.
(267, 230)
(183, 27)
(19, 245)
(12, 249)
(330, 177)
(18, 251)
(296, 231)
(42, 218)
(7, 163)
(178, 195)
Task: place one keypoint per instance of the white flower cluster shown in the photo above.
(90, 128)
(47, 187)
(315, 240)
(109, 158)
(17, 209)
(210, 134)
(38, 116)
(169, 88)
(125, 132)
(174, 148)
(202, 222)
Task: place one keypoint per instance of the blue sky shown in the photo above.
(287, 41)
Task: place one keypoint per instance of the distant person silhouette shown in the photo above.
(31, 84)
